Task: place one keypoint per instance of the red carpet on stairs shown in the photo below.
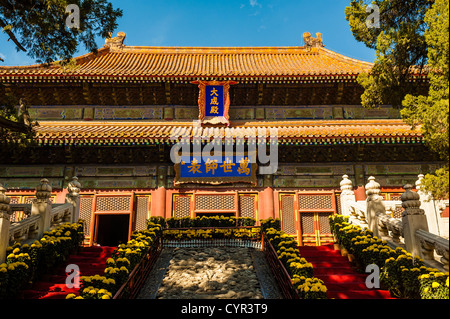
(90, 260)
(339, 275)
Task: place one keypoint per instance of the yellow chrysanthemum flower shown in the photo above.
(435, 285)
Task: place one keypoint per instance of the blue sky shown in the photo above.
(226, 23)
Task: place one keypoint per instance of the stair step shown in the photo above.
(52, 287)
(345, 286)
(327, 259)
(330, 264)
(90, 260)
(320, 253)
(359, 294)
(323, 247)
(333, 270)
(342, 278)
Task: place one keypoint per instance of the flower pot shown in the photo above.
(336, 246)
(344, 251)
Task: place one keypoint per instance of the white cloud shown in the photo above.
(254, 3)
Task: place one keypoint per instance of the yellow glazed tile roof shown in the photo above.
(96, 132)
(132, 61)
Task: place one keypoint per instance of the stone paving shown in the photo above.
(210, 273)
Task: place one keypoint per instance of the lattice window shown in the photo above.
(315, 202)
(142, 203)
(398, 212)
(86, 203)
(214, 202)
(338, 204)
(29, 200)
(324, 223)
(307, 222)
(288, 214)
(182, 206)
(14, 200)
(247, 206)
(113, 203)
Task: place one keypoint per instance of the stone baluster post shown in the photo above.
(413, 219)
(347, 195)
(73, 197)
(428, 205)
(375, 205)
(4, 223)
(42, 206)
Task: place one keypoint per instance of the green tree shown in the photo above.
(411, 40)
(41, 29)
(431, 111)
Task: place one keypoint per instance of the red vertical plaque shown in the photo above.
(214, 102)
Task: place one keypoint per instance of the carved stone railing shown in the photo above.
(432, 245)
(357, 212)
(24, 231)
(19, 212)
(390, 228)
(61, 214)
(39, 216)
(410, 232)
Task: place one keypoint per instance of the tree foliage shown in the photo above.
(412, 39)
(431, 111)
(39, 26)
(400, 45)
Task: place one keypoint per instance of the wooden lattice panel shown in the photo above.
(142, 204)
(307, 222)
(182, 206)
(86, 203)
(338, 204)
(315, 202)
(113, 203)
(324, 223)
(288, 214)
(14, 200)
(214, 202)
(247, 206)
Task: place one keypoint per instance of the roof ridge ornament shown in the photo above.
(115, 43)
(311, 42)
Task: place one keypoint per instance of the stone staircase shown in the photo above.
(90, 260)
(339, 275)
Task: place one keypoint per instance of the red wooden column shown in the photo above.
(267, 204)
(159, 202)
(360, 193)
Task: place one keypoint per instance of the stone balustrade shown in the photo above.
(389, 227)
(432, 245)
(410, 232)
(19, 212)
(24, 231)
(39, 216)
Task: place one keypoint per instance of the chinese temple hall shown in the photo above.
(112, 118)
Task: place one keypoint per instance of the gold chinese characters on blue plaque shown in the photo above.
(216, 169)
(214, 102)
